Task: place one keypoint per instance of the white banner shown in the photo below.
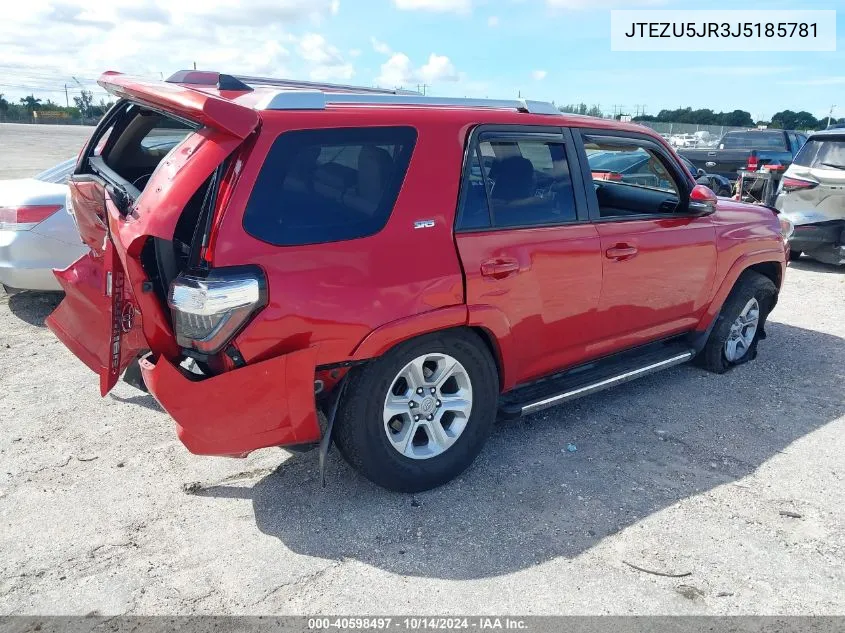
(721, 31)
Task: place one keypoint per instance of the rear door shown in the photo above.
(658, 263)
(529, 252)
(143, 166)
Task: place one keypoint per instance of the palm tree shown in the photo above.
(30, 103)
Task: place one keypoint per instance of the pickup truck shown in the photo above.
(734, 149)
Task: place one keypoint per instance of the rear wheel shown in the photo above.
(794, 255)
(418, 416)
(740, 323)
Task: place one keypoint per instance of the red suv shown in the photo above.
(392, 271)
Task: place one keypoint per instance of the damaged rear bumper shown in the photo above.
(270, 403)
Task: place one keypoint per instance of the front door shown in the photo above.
(658, 261)
(528, 250)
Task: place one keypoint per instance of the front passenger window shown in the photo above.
(630, 177)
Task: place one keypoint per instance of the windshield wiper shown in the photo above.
(834, 165)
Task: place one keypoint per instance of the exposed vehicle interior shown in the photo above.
(138, 141)
(652, 189)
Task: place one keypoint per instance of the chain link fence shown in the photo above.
(690, 134)
(696, 135)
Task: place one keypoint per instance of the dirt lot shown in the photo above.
(738, 480)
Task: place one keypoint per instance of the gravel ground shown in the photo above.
(735, 480)
(27, 149)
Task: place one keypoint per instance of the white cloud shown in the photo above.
(438, 68)
(399, 71)
(45, 42)
(380, 47)
(493, 21)
(441, 6)
(325, 60)
(396, 71)
(538, 75)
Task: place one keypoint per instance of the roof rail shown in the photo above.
(318, 100)
(313, 85)
(245, 83)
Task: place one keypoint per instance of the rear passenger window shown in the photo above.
(517, 183)
(328, 185)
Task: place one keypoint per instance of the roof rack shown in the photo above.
(310, 95)
(325, 87)
(319, 100)
(244, 83)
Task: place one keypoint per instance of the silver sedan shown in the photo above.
(36, 232)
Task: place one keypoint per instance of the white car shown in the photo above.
(36, 232)
(812, 196)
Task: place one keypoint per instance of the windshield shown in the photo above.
(754, 140)
(58, 173)
(822, 153)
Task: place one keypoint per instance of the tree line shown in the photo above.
(786, 119)
(26, 107)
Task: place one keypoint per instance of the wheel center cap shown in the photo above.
(428, 405)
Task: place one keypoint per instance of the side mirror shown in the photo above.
(702, 201)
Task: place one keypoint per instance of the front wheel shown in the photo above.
(418, 416)
(740, 323)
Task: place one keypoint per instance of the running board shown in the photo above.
(591, 378)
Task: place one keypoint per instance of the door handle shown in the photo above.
(621, 252)
(499, 268)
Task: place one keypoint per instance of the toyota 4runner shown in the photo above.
(391, 271)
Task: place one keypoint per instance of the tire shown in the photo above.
(371, 443)
(750, 287)
(794, 255)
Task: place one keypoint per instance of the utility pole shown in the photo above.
(195, 65)
(67, 100)
(830, 115)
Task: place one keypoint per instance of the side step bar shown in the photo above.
(589, 379)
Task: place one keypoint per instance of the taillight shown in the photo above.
(797, 184)
(208, 309)
(753, 162)
(25, 217)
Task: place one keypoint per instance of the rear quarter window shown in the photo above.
(328, 185)
(822, 153)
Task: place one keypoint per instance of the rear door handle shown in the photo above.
(621, 251)
(499, 268)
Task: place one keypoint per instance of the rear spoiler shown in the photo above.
(194, 105)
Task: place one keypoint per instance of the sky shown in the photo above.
(554, 50)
